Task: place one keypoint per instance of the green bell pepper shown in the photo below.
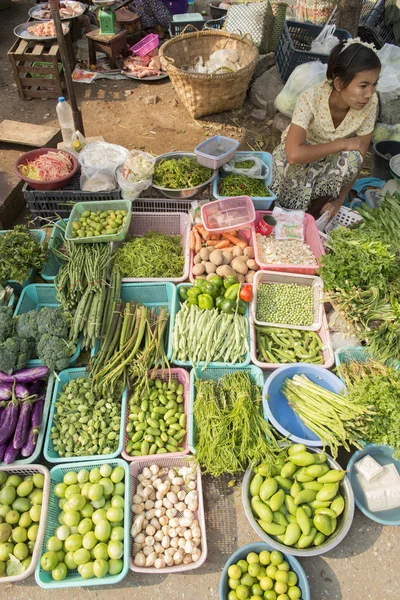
(228, 306)
(193, 294)
(218, 301)
(198, 283)
(183, 293)
(242, 307)
(217, 281)
(232, 292)
(210, 288)
(206, 302)
(230, 280)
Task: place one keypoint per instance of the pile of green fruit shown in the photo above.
(20, 509)
(91, 532)
(98, 222)
(300, 506)
(264, 576)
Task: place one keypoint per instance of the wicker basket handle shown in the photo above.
(189, 25)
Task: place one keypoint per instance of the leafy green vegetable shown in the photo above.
(180, 173)
(237, 185)
(20, 253)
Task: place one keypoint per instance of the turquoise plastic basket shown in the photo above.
(358, 354)
(94, 206)
(260, 203)
(186, 363)
(34, 297)
(49, 453)
(215, 373)
(73, 579)
(42, 431)
(151, 295)
(57, 237)
(40, 236)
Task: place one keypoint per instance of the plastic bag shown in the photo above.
(303, 77)
(389, 80)
(289, 224)
(99, 162)
(136, 174)
(326, 41)
(259, 170)
(384, 131)
(78, 142)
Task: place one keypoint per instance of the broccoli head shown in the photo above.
(14, 354)
(27, 325)
(54, 352)
(54, 320)
(6, 323)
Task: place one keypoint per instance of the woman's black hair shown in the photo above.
(347, 63)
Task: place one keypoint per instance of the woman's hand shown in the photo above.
(356, 144)
(331, 208)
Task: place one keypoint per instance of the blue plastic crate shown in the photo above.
(44, 578)
(40, 236)
(49, 453)
(56, 240)
(357, 354)
(186, 363)
(36, 296)
(260, 203)
(215, 373)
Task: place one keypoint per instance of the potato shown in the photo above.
(239, 266)
(198, 269)
(253, 266)
(249, 252)
(237, 251)
(240, 277)
(205, 253)
(209, 276)
(216, 258)
(210, 267)
(225, 271)
(226, 257)
(197, 259)
(250, 277)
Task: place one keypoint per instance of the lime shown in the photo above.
(242, 564)
(294, 593)
(21, 551)
(69, 561)
(292, 578)
(252, 557)
(60, 572)
(54, 544)
(70, 478)
(19, 534)
(94, 475)
(242, 592)
(254, 569)
(266, 583)
(38, 480)
(115, 549)
(33, 532)
(233, 583)
(276, 557)
(265, 557)
(59, 490)
(81, 556)
(100, 568)
(49, 561)
(86, 570)
(73, 542)
(115, 566)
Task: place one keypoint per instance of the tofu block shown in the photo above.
(383, 491)
(368, 467)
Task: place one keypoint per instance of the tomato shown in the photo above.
(49, 561)
(246, 293)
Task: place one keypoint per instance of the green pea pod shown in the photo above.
(179, 435)
(161, 410)
(152, 423)
(280, 519)
(277, 500)
(303, 520)
(305, 541)
(129, 447)
(319, 539)
(268, 488)
(328, 492)
(288, 469)
(171, 421)
(295, 489)
(164, 436)
(284, 482)
(162, 451)
(149, 438)
(323, 524)
(338, 505)
(290, 505)
(302, 459)
(301, 476)
(292, 535)
(296, 448)
(304, 497)
(332, 476)
(316, 470)
(141, 417)
(326, 511)
(256, 484)
(169, 413)
(261, 509)
(312, 485)
(272, 528)
(141, 427)
(172, 442)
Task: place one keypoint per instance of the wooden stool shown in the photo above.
(114, 46)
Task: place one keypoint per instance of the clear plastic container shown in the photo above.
(66, 121)
(229, 214)
(216, 151)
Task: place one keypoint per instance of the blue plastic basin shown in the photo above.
(277, 409)
(382, 455)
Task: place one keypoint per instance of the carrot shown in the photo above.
(235, 240)
(215, 236)
(192, 240)
(223, 244)
(199, 241)
(211, 243)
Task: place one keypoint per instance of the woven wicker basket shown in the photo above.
(204, 94)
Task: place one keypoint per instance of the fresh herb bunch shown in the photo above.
(20, 252)
(180, 173)
(237, 185)
(383, 223)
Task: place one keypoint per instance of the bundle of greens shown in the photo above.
(377, 385)
(230, 430)
(20, 252)
(180, 173)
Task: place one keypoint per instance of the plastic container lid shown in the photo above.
(184, 17)
(228, 214)
(217, 147)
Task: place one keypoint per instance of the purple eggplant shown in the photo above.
(5, 391)
(25, 375)
(3, 448)
(30, 444)
(21, 391)
(22, 429)
(9, 419)
(10, 454)
(37, 412)
(36, 387)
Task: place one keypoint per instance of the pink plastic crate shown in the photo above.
(312, 238)
(146, 45)
(228, 214)
(135, 469)
(183, 377)
(246, 234)
(323, 333)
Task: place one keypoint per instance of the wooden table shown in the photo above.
(114, 46)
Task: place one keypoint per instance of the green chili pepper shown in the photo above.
(183, 293)
(228, 306)
(232, 292)
(230, 280)
(206, 301)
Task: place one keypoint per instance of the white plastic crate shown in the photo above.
(168, 223)
(275, 277)
(345, 217)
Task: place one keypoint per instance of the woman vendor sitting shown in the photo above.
(323, 149)
(157, 14)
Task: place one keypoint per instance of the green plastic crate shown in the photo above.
(214, 374)
(56, 240)
(34, 297)
(73, 579)
(80, 207)
(49, 453)
(186, 363)
(40, 236)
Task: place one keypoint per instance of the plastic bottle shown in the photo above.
(190, 6)
(66, 121)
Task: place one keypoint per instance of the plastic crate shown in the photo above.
(373, 29)
(56, 240)
(170, 224)
(23, 472)
(294, 47)
(260, 203)
(214, 374)
(209, 154)
(312, 238)
(323, 334)
(345, 217)
(246, 234)
(182, 377)
(146, 45)
(55, 204)
(49, 453)
(187, 363)
(105, 205)
(40, 236)
(358, 354)
(215, 23)
(135, 469)
(73, 579)
(196, 21)
(36, 296)
(309, 280)
(238, 213)
(40, 439)
(164, 205)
